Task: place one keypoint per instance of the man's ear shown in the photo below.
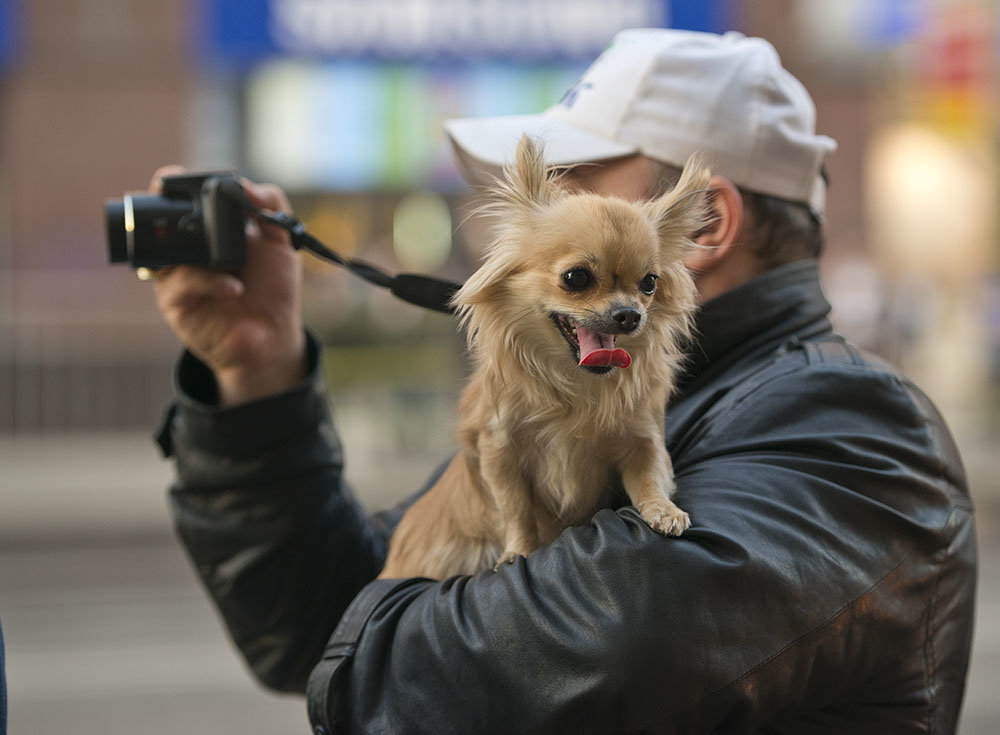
(715, 240)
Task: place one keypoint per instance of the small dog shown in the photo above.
(574, 324)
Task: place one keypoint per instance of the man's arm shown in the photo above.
(259, 501)
(270, 526)
(806, 585)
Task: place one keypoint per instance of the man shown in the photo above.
(827, 581)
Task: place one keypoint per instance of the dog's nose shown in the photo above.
(626, 317)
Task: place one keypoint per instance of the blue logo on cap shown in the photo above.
(573, 92)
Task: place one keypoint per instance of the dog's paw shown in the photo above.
(507, 557)
(665, 517)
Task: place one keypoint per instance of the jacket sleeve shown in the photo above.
(270, 526)
(813, 539)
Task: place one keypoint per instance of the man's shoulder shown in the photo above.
(832, 376)
(830, 435)
(823, 397)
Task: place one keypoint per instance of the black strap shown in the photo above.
(426, 291)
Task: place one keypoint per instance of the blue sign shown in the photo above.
(10, 30)
(244, 31)
(235, 30)
(710, 16)
(890, 22)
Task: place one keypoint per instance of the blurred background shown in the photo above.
(341, 103)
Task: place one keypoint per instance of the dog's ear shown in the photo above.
(524, 187)
(681, 212)
(482, 286)
(526, 182)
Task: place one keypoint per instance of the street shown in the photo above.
(109, 632)
(120, 639)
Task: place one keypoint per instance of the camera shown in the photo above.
(197, 219)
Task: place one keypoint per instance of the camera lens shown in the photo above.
(152, 231)
(114, 219)
(196, 219)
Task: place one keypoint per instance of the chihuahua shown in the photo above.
(574, 322)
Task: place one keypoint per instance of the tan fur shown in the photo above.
(541, 438)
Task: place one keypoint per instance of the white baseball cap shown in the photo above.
(667, 94)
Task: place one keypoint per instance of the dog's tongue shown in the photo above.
(598, 350)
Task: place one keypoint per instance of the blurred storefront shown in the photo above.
(915, 281)
(341, 103)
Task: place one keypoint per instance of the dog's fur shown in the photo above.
(542, 437)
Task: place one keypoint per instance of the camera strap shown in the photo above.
(426, 291)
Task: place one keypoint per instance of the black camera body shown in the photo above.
(197, 219)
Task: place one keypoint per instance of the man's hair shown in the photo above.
(781, 231)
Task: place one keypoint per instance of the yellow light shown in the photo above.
(335, 227)
(931, 201)
(421, 231)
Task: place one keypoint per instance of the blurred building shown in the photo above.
(341, 103)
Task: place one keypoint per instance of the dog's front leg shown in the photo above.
(648, 477)
(505, 481)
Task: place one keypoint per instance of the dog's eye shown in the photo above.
(648, 284)
(577, 279)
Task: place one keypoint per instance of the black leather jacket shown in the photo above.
(826, 584)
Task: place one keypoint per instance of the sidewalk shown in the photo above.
(82, 485)
(95, 485)
(92, 584)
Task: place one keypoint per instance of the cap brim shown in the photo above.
(484, 145)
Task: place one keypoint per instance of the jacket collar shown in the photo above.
(758, 316)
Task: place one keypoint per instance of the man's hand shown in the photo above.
(246, 327)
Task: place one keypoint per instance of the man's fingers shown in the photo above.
(180, 285)
(156, 183)
(267, 196)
